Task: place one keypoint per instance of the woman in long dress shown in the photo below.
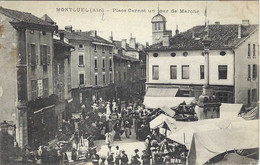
(108, 111)
(108, 136)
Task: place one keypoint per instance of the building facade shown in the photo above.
(129, 65)
(26, 75)
(178, 62)
(62, 79)
(92, 74)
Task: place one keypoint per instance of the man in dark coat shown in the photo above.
(95, 158)
(135, 158)
(124, 158)
(146, 158)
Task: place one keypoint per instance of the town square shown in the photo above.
(129, 83)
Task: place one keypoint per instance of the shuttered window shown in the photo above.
(33, 89)
(222, 72)
(45, 55)
(201, 71)
(173, 72)
(45, 87)
(155, 72)
(185, 72)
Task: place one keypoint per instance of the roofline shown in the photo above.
(101, 43)
(151, 50)
(244, 39)
(34, 26)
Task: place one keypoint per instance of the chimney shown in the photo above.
(68, 28)
(166, 40)
(177, 30)
(132, 43)
(140, 46)
(111, 37)
(147, 44)
(93, 33)
(239, 31)
(217, 23)
(123, 43)
(61, 36)
(245, 22)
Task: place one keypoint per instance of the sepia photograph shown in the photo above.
(129, 82)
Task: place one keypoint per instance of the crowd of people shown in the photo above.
(110, 121)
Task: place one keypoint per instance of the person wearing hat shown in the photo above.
(117, 129)
(127, 127)
(103, 159)
(124, 158)
(147, 144)
(95, 157)
(117, 155)
(83, 111)
(146, 158)
(135, 158)
(110, 157)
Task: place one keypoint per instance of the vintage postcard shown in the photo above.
(129, 82)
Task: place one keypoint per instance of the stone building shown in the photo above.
(177, 62)
(26, 79)
(129, 69)
(92, 74)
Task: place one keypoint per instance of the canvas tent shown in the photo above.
(161, 121)
(184, 132)
(208, 144)
(228, 111)
(159, 102)
(252, 114)
(168, 111)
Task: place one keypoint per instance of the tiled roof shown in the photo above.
(61, 43)
(125, 57)
(84, 36)
(222, 36)
(23, 17)
(119, 45)
(47, 19)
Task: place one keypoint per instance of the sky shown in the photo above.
(124, 18)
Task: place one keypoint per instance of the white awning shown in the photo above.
(161, 92)
(158, 102)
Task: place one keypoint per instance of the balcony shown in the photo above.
(40, 103)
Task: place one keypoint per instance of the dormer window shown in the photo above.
(185, 54)
(222, 53)
(173, 54)
(155, 55)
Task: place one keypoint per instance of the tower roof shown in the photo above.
(158, 18)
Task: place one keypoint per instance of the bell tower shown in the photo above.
(159, 28)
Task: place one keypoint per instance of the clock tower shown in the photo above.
(159, 28)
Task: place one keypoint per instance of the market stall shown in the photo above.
(208, 144)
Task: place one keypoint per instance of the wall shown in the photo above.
(75, 68)
(242, 84)
(100, 55)
(8, 76)
(194, 60)
(38, 39)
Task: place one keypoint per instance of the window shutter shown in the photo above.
(36, 54)
(29, 53)
(41, 54)
(48, 55)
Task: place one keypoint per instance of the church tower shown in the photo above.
(159, 28)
